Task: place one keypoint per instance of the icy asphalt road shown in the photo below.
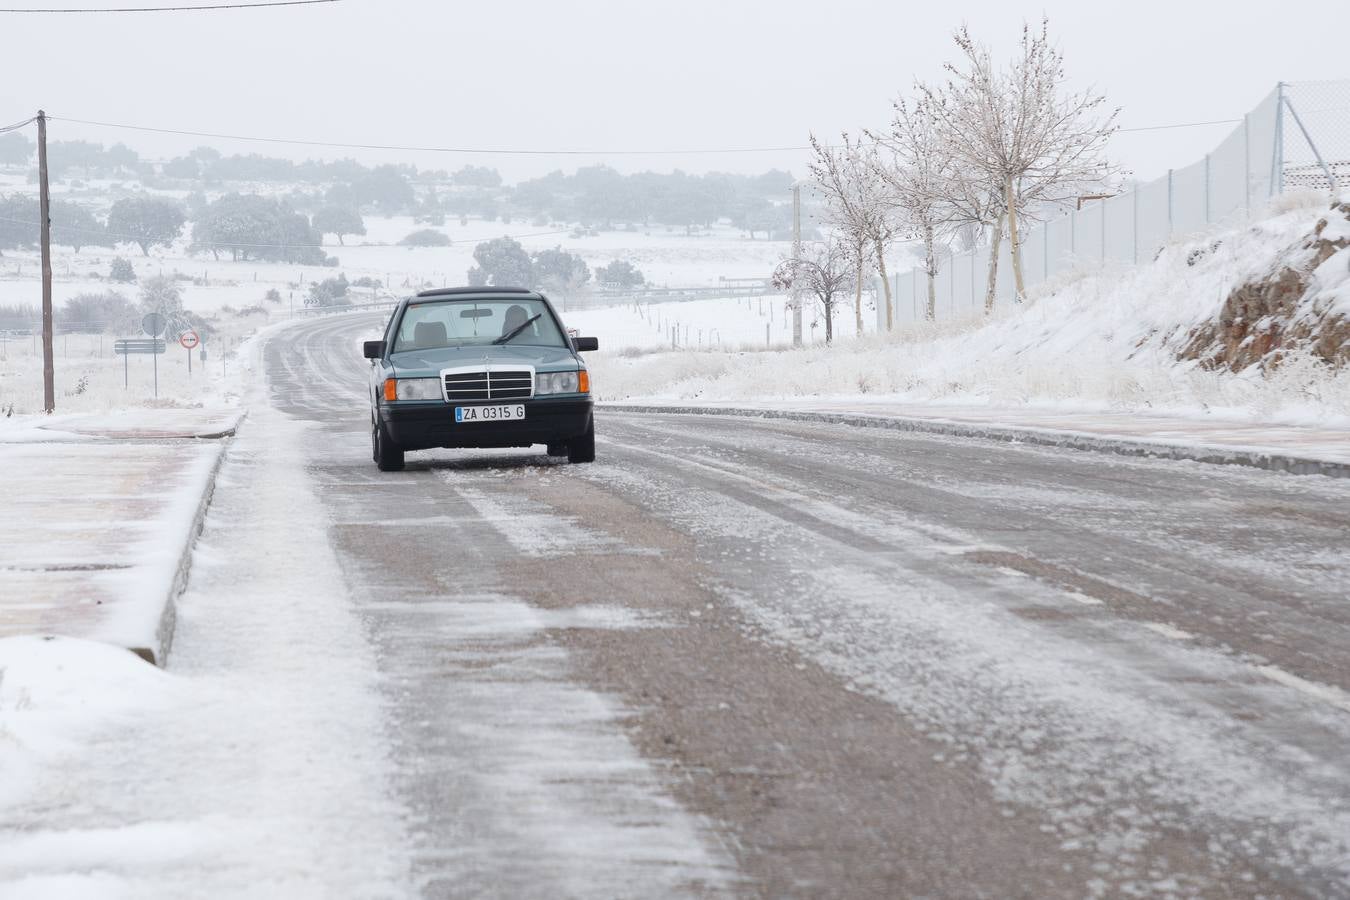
(775, 659)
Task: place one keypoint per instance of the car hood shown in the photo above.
(431, 362)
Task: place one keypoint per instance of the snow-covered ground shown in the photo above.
(666, 258)
(274, 720)
(1101, 339)
(732, 323)
(88, 376)
(121, 779)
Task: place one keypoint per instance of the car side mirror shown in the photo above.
(373, 349)
(581, 344)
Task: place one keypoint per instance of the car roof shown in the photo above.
(469, 291)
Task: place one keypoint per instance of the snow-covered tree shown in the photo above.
(622, 273)
(145, 221)
(560, 272)
(338, 221)
(858, 207)
(1021, 131)
(825, 270)
(920, 179)
(502, 261)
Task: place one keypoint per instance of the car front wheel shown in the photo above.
(388, 455)
(582, 449)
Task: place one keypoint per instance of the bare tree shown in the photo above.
(920, 180)
(825, 269)
(856, 197)
(975, 207)
(860, 258)
(1021, 131)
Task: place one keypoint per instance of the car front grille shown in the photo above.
(494, 384)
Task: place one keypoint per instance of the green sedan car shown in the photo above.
(479, 367)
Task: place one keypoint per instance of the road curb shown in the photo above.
(1075, 440)
(168, 620)
(67, 434)
(227, 432)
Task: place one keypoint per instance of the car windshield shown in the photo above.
(459, 322)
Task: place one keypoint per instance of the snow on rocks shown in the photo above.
(1294, 306)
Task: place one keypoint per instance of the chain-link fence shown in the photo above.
(1297, 138)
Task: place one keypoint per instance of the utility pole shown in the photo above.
(796, 256)
(44, 214)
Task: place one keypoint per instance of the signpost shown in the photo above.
(126, 347)
(153, 324)
(189, 340)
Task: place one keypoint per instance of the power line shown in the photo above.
(141, 9)
(225, 245)
(1182, 125)
(491, 151)
(421, 149)
(17, 125)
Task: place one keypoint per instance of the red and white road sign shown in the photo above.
(189, 339)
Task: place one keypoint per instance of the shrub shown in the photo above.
(426, 237)
(620, 272)
(329, 292)
(122, 270)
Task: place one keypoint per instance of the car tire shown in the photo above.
(388, 456)
(582, 449)
(557, 449)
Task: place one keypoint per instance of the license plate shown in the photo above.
(489, 413)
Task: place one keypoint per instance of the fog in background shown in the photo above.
(607, 75)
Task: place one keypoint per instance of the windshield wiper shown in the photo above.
(518, 329)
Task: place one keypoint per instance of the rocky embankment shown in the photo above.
(1303, 306)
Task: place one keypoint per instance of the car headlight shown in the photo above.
(419, 389)
(557, 383)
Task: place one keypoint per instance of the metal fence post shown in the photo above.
(1169, 203)
(1277, 183)
(1206, 188)
(1134, 221)
(1247, 165)
(1103, 209)
(1045, 252)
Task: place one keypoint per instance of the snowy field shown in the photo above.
(666, 259)
(1099, 339)
(89, 377)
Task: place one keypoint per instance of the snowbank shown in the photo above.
(55, 692)
(1108, 338)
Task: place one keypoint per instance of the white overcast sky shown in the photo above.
(639, 74)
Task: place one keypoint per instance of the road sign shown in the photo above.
(153, 324)
(140, 345)
(189, 339)
(128, 346)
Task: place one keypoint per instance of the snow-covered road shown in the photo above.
(763, 658)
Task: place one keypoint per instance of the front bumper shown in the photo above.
(548, 420)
